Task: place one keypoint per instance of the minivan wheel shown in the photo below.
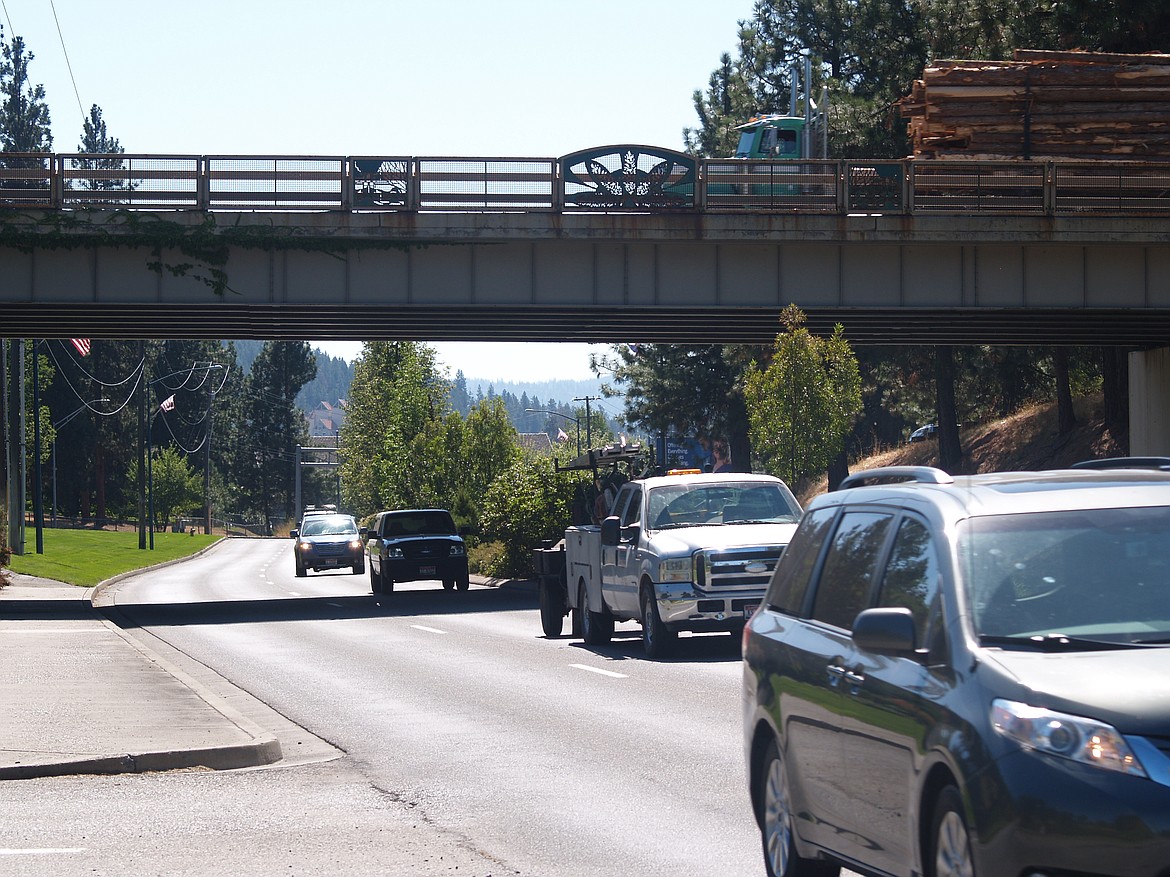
(657, 639)
(950, 852)
(776, 830)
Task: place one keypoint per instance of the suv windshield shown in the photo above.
(329, 525)
(1102, 574)
(691, 505)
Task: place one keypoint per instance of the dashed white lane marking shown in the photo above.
(429, 629)
(42, 852)
(599, 671)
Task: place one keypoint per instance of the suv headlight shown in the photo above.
(1078, 739)
(674, 569)
(305, 546)
(458, 549)
(394, 551)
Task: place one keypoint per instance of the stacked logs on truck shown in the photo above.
(1043, 105)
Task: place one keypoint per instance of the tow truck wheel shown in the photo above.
(596, 627)
(657, 639)
(552, 609)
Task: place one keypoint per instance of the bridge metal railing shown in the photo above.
(664, 182)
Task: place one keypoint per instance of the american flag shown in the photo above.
(562, 436)
(82, 345)
(168, 404)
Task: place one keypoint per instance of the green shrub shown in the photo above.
(487, 559)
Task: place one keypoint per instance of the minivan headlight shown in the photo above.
(1064, 736)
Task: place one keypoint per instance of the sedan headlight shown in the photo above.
(458, 549)
(1078, 739)
(675, 569)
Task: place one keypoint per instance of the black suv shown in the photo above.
(412, 545)
(967, 676)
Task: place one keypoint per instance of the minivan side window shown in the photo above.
(911, 577)
(850, 566)
(790, 580)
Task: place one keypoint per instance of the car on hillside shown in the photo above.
(328, 541)
(410, 545)
(923, 433)
(967, 676)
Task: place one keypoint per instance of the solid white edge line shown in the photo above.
(599, 671)
(429, 629)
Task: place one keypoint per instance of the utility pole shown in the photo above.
(588, 425)
(142, 388)
(207, 467)
(12, 353)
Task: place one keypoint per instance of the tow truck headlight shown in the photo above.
(675, 569)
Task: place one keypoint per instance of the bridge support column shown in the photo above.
(1149, 403)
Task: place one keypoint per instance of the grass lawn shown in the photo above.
(86, 557)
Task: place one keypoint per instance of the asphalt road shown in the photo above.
(465, 738)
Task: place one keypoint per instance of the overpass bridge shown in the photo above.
(614, 243)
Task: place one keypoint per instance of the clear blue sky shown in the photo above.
(461, 77)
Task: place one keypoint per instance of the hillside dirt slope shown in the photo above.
(1027, 440)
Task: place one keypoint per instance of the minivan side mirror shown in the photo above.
(886, 631)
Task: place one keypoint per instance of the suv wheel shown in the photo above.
(387, 582)
(950, 851)
(375, 581)
(448, 584)
(463, 584)
(596, 627)
(301, 572)
(656, 638)
(776, 832)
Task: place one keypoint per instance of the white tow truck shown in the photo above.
(680, 551)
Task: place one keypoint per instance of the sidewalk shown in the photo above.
(81, 696)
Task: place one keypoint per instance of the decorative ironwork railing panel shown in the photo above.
(609, 178)
(629, 178)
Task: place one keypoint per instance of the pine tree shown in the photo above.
(24, 115)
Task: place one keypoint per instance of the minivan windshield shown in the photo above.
(1099, 574)
(723, 502)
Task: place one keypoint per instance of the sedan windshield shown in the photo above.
(691, 505)
(329, 525)
(1101, 575)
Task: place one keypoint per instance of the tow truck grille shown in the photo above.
(739, 567)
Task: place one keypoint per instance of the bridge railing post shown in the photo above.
(203, 184)
(347, 184)
(57, 181)
(1049, 188)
